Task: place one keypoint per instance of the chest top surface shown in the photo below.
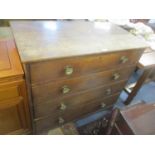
(41, 40)
(9, 60)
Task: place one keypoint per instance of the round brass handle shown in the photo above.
(108, 91)
(103, 105)
(124, 59)
(69, 70)
(116, 76)
(65, 89)
(61, 120)
(63, 106)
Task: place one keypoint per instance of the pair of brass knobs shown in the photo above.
(63, 107)
(69, 69)
(66, 89)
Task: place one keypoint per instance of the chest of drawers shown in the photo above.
(74, 69)
(14, 111)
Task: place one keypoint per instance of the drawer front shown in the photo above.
(57, 119)
(47, 108)
(43, 93)
(41, 72)
(7, 93)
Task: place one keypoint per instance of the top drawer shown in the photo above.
(71, 67)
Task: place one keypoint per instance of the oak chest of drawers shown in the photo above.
(73, 68)
(14, 111)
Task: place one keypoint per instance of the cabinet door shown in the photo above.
(12, 116)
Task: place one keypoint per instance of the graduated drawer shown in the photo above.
(57, 105)
(48, 91)
(63, 68)
(8, 92)
(76, 112)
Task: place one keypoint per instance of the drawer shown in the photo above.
(68, 87)
(47, 108)
(57, 119)
(7, 93)
(55, 69)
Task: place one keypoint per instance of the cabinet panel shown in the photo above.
(12, 116)
(7, 93)
(4, 58)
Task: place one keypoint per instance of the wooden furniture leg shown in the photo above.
(138, 85)
(112, 121)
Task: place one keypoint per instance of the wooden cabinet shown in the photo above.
(75, 69)
(136, 119)
(14, 110)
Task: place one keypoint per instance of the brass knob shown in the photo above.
(124, 59)
(61, 120)
(103, 105)
(108, 91)
(63, 106)
(116, 76)
(69, 70)
(65, 89)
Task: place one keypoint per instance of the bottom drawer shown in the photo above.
(58, 119)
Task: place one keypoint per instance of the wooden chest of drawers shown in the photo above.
(14, 111)
(74, 69)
